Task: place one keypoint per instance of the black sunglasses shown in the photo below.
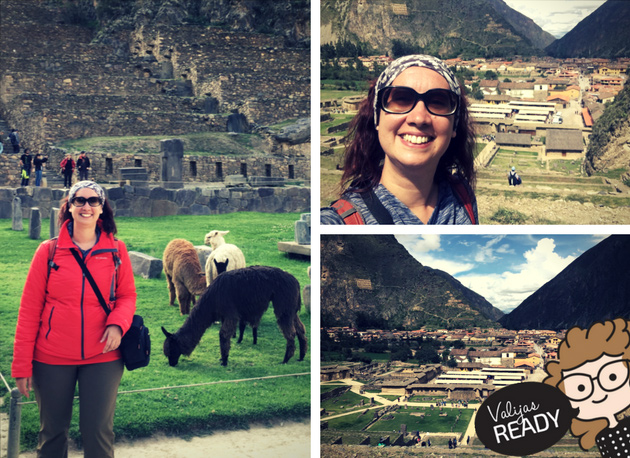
(80, 201)
(402, 99)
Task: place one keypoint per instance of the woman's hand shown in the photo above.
(25, 385)
(112, 337)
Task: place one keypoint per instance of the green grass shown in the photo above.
(182, 411)
(353, 422)
(432, 421)
(335, 121)
(347, 402)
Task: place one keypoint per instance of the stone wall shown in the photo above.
(195, 169)
(173, 80)
(158, 201)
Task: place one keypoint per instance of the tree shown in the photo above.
(427, 355)
(459, 344)
(490, 75)
(452, 363)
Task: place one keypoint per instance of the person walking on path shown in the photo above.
(64, 337)
(67, 169)
(83, 166)
(26, 163)
(14, 137)
(38, 162)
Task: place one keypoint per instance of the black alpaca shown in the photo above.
(242, 295)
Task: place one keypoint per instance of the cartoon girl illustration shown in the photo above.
(592, 370)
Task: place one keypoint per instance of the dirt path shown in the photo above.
(552, 210)
(283, 440)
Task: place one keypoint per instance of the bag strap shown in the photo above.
(52, 248)
(464, 196)
(376, 207)
(350, 214)
(346, 210)
(90, 279)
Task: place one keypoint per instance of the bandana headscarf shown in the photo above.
(86, 184)
(416, 60)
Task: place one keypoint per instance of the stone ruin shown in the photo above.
(159, 80)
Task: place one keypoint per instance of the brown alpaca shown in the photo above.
(184, 275)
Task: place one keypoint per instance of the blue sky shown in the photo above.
(555, 16)
(505, 269)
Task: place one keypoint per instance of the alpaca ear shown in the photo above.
(166, 333)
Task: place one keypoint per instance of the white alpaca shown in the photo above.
(224, 256)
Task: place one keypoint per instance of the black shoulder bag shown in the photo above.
(135, 345)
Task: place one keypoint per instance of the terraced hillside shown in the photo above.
(553, 192)
(149, 78)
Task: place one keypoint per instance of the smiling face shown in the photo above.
(85, 215)
(418, 139)
(600, 388)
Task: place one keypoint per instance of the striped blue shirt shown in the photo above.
(449, 209)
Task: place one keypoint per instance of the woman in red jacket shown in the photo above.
(64, 336)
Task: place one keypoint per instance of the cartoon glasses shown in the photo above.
(402, 99)
(610, 377)
(94, 201)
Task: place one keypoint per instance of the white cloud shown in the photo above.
(420, 244)
(507, 290)
(487, 252)
(449, 266)
(556, 16)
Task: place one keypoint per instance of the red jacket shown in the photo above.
(60, 320)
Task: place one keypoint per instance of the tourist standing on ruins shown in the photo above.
(63, 335)
(410, 154)
(26, 163)
(1, 140)
(83, 165)
(67, 169)
(14, 137)
(38, 162)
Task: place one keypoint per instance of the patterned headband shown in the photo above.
(416, 60)
(86, 184)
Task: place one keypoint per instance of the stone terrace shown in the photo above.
(56, 84)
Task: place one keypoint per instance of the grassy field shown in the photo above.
(182, 411)
(347, 402)
(434, 420)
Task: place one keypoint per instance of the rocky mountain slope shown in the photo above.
(609, 145)
(448, 28)
(523, 25)
(594, 287)
(371, 281)
(605, 33)
(287, 18)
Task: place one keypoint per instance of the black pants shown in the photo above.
(25, 179)
(67, 179)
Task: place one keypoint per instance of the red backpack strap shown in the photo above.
(52, 247)
(464, 196)
(347, 211)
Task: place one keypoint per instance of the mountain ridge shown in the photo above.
(373, 282)
(594, 287)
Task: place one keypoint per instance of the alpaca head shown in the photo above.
(221, 266)
(215, 238)
(171, 348)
